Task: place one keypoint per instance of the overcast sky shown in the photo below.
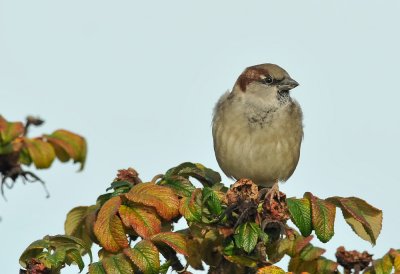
(139, 81)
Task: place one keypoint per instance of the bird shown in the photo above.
(257, 127)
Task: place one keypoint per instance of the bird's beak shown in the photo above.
(287, 84)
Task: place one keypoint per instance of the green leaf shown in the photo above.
(206, 176)
(41, 153)
(364, 219)
(75, 256)
(384, 265)
(145, 256)
(74, 220)
(174, 240)
(119, 184)
(143, 220)
(96, 268)
(68, 145)
(179, 184)
(326, 266)
(246, 236)
(165, 267)
(79, 223)
(190, 207)
(297, 265)
(311, 252)
(55, 259)
(69, 243)
(24, 157)
(108, 227)
(242, 260)
(323, 217)
(300, 212)
(10, 131)
(163, 199)
(117, 264)
(211, 199)
(32, 251)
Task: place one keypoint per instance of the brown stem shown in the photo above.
(156, 178)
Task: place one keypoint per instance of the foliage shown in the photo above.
(242, 229)
(16, 150)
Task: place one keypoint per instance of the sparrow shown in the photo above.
(257, 127)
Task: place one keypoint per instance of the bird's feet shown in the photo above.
(273, 193)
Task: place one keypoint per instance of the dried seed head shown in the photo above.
(129, 175)
(275, 208)
(353, 259)
(242, 190)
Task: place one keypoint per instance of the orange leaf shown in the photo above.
(9, 130)
(68, 145)
(142, 220)
(41, 153)
(175, 240)
(163, 199)
(108, 227)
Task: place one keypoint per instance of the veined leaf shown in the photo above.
(96, 268)
(246, 236)
(300, 212)
(383, 266)
(190, 207)
(74, 220)
(41, 153)
(364, 219)
(9, 131)
(32, 251)
(206, 176)
(163, 199)
(179, 184)
(211, 199)
(311, 252)
(68, 145)
(74, 256)
(242, 260)
(174, 240)
(108, 226)
(145, 256)
(141, 219)
(323, 217)
(77, 223)
(326, 266)
(117, 264)
(54, 251)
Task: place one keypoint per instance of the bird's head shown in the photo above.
(265, 82)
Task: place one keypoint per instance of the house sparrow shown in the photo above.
(257, 127)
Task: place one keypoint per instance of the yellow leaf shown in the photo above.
(41, 153)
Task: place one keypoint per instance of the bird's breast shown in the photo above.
(264, 147)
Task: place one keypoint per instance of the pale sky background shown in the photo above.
(140, 80)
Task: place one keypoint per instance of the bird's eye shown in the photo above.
(268, 79)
